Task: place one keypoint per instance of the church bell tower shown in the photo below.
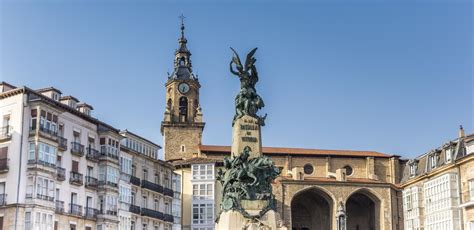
(182, 125)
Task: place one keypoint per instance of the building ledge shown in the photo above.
(467, 204)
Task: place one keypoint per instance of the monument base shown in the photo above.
(235, 220)
(246, 132)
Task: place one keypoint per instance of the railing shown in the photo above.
(62, 143)
(168, 218)
(6, 132)
(92, 182)
(60, 174)
(4, 164)
(91, 213)
(152, 213)
(168, 192)
(134, 209)
(3, 199)
(109, 183)
(112, 212)
(152, 186)
(75, 209)
(135, 180)
(40, 162)
(77, 148)
(107, 151)
(92, 154)
(44, 197)
(75, 178)
(59, 206)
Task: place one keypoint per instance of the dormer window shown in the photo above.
(433, 161)
(448, 154)
(413, 164)
(55, 96)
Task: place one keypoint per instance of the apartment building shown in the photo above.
(61, 168)
(438, 187)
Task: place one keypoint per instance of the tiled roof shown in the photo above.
(298, 151)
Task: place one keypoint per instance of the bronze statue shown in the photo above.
(247, 102)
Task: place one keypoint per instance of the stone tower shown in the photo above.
(182, 125)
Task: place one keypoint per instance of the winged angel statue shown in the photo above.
(247, 102)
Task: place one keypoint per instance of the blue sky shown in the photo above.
(389, 76)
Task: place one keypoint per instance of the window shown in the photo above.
(203, 172)
(34, 119)
(203, 191)
(183, 148)
(145, 174)
(448, 154)
(203, 213)
(31, 151)
(27, 220)
(125, 194)
(144, 202)
(413, 168)
(308, 169)
(156, 205)
(349, 170)
(433, 159)
(183, 109)
(144, 227)
(111, 205)
(45, 189)
(46, 153)
(48, 122)
(126, 165)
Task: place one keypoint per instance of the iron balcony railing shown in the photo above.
(4, 164)
(3, 199)
(92, 154)
(76, 178)
(168, 192)
(134, 209)
(62, 143)
(168, 218)
(77, 149)
(152, 186)
(109, 183)
(135, 180)
(152, 213)
(60, 174)
(59, 206)
(75, 209)
(6, 132)
(92, 182)
(91, 213)
(112, 211)
(40, 162)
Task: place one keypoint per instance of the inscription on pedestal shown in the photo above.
(246, 132)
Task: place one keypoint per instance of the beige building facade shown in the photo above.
(438, 187)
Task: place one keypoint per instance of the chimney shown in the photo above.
(461, 132)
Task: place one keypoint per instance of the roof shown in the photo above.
(126, 131)
(299, 151)
(83, 104)
(48, 89)
(68, 98)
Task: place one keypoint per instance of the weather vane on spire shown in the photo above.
(182, 24)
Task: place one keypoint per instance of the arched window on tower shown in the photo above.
(182, 61)
(183, 109)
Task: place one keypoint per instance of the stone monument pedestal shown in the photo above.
(246, 132)
(235, 220)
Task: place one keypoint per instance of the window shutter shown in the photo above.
(34, 112)
(75, 166)
(3, 152)
(55, 118)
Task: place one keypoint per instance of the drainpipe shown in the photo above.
(19, 163)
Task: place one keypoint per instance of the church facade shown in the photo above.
(315, 190)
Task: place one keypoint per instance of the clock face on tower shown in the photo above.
(183, 88)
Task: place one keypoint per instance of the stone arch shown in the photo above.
(363, 207)
(312, 208)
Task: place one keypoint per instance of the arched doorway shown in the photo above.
(362, 209)
(311, 210)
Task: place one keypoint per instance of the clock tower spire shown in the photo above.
(182, 125)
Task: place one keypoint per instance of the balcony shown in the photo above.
(91, 213)
(44, 197)
(152, 186)
(76, 178)
(111, 212)
(91, 182)
(4, 165)
(75, 209)
(168, 218)
(59, 206)
(109, 153)
(6, 133)
(77, 149)
(135, 180)
(108, 183)
(168, 192)
(41, 166)
(46, 133)
(3, 199)
(92, 154)
(134, 209)
(152, 213)
(62, 143)
(60, 174)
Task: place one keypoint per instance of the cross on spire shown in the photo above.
(182, 25)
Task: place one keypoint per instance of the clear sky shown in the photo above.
(389, 76)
